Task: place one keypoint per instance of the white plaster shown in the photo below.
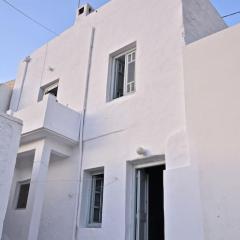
(10, 131)
(37, 190)
(182, 192)
(32, 163)
(177, 150)
(5, 97)
(19, 218)
(59, 200)
(212, 109)
(46, 117)
(183, 204)
(149, 118)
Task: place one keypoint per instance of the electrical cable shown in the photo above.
(30, 18)
(231, 14)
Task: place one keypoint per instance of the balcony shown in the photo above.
(49, 118)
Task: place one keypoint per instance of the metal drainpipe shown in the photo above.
(27, 61)
(81, 135)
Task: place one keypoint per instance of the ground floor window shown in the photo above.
(22, 192)
(96, 201)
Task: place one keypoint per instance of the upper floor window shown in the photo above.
(51, 88)
(122, 77)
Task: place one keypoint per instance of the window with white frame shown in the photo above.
(22, 192)
(123, 74)
(96, 201)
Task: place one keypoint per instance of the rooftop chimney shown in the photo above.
(84, 10)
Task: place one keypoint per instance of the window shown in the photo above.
(81, 11)
(123, 74)
(51, 88)
(22, 194)
(96, 204)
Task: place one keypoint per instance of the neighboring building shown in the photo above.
(5, 95)
(10, 133)
(113, 137)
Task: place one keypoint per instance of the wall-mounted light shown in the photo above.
(141, 151)
(51, 69)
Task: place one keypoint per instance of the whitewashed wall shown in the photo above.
(114, 130)
(212, 105)
(10, 131)
(5, 97)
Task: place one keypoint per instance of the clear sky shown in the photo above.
(19, 36)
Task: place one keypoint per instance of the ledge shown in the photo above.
(49, 118)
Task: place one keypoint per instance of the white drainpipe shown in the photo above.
(81, 136)
(26, 60)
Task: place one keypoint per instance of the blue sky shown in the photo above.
(19, 36)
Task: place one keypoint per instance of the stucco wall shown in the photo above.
(5, 97)
(59, 200)
(212, 105)
(16, 224)
(10, 131)
(113, 130)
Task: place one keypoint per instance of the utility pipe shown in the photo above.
(27, 61)
(81, 136)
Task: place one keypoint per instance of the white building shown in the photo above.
(105, 106)
(10, 132)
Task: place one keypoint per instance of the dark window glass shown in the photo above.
(97, 199)
(119, 70)
(23, 195)
(53, 91)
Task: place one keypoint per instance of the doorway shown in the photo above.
(149, 224)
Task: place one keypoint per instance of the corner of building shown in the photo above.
(10, 132)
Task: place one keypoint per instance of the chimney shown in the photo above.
(84, 11)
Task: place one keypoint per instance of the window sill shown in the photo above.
(19, 210)
(92, 226)
(121, 99)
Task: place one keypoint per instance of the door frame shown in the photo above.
(141, 201)
(130, 210)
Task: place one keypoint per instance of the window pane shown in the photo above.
(119, 69)
(96, 216)
(99, 182)
(128, 88)
(52, 91)
(133, 86)
(97, 199)
(131, 72)
(23, 195)
(129, 58)
(133, 56)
